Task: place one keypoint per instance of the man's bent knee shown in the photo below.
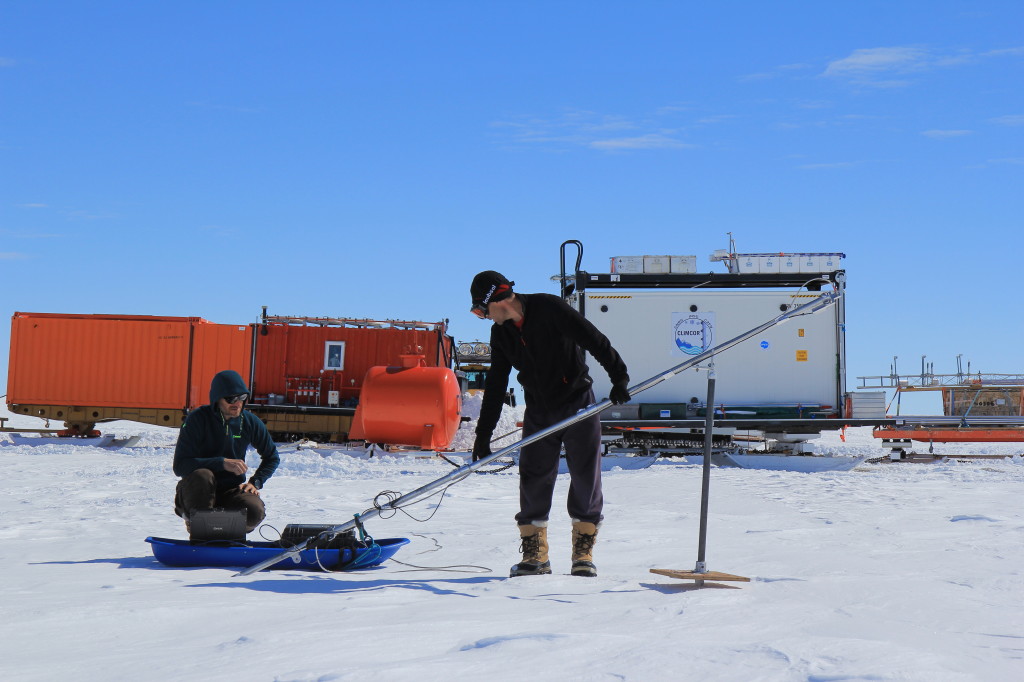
(195, 491)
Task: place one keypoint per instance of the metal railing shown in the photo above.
(929, 381)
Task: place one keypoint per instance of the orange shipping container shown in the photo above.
(120, 360)
(217, 347)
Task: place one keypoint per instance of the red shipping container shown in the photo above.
(302, 363)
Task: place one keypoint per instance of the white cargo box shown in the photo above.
(657, 265)
(628, 264)
(684, 265)
(789, 263)
(831, 262)
(865, 405)
(747, 263)
(770, 263)
(810, 262)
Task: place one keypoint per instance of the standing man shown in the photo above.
(545, 339)
(210, 454)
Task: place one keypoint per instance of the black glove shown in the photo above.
(481, 449)
(619, 393)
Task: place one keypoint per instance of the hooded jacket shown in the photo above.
(548, 350)
(207, 438)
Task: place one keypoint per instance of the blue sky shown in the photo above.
(366, 159)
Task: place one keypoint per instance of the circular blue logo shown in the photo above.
(693, 335)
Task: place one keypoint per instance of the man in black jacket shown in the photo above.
(545, 339)
(210, 454)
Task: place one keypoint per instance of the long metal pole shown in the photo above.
(457, 475)
(705, 486)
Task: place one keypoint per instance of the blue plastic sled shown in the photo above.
(184, 553)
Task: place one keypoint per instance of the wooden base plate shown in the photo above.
(693, 575)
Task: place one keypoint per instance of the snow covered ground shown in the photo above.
(886, 572)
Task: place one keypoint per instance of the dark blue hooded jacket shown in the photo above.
(206, 438)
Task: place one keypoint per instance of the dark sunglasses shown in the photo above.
(240, 398)
(479, 309)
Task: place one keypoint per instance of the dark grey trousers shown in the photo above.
(199, 491)
(538, 464)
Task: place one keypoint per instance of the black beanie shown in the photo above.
(490, 286)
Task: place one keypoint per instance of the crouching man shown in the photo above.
(210, 454)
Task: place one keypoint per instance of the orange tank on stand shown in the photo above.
(409, 405)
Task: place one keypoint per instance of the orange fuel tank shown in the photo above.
(409, 405)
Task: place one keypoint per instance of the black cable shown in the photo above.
(505, 464)
(267, 525)
(437, 546)
(393, 496)
(456, 568)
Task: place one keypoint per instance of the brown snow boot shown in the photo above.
(534, 546)
(583, 536)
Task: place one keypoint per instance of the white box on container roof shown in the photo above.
(628, 264)
(831, 262)
(683, 265)
(657, 265)
(789, 263)
(747, 263)
(769, 263)
(810, 262)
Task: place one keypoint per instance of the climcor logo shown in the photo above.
(692, 333)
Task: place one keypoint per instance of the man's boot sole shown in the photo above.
(584, 569)
(519, 570)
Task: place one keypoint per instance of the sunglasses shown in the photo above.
(240, 398)
(480, 310)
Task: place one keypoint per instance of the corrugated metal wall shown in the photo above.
(131, 361)
(297, 352)
(216, 347)
(120, 361)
